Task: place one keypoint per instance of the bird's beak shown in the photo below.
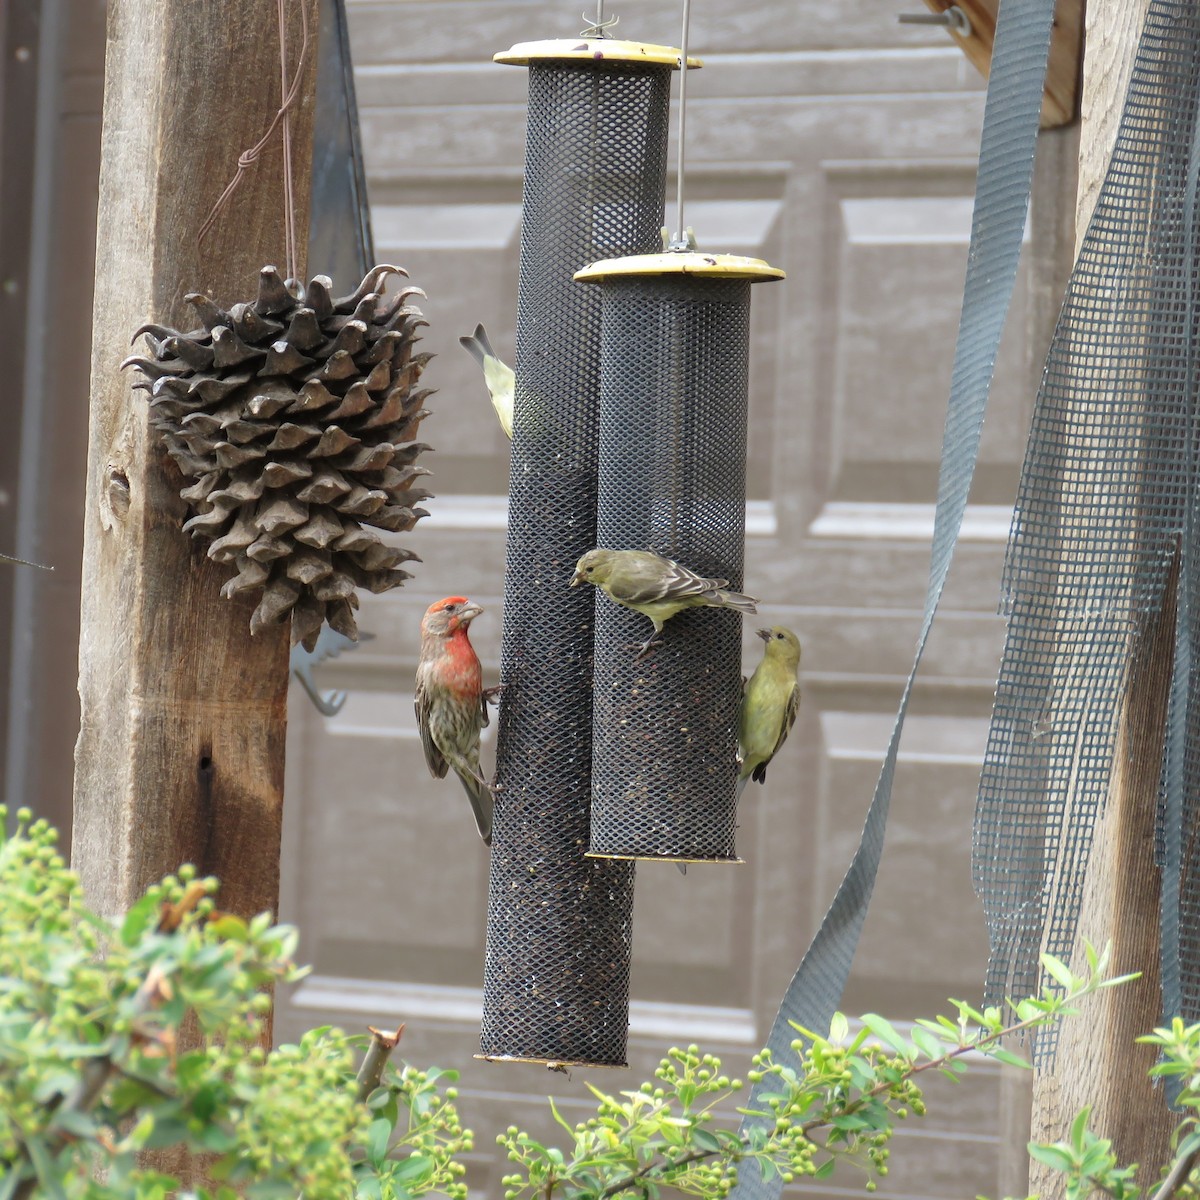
(576, 580)
(469, 613)
(765, 634)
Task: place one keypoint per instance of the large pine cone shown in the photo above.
(295, 416)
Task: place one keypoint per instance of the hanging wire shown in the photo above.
(289, 198)
(599, 27)
(248, 157)
(683, 239)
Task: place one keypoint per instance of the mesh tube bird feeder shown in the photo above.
(556, 986)
(674, 376)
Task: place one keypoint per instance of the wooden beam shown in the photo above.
(1060, 104)
(180, 754)
(1097, 1061)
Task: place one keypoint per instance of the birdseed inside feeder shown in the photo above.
(674, 378)
(559, 935)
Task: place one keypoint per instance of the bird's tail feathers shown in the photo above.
(743, 604)
(480, 796)
(477, 344)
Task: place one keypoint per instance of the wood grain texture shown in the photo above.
(180, 756)
(1112, 37)
(1097, 1061)
(1060, 102)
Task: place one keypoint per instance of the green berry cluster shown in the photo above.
(415, 1139)
(301, 1116)
(148, 1034)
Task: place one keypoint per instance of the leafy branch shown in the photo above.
(838, 1103)
(95, 1071)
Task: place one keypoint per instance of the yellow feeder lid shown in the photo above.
(676, 262)
(591, 49)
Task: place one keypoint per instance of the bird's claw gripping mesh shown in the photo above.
(556, 984)
(672, 478)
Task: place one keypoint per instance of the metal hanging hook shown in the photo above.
(599, 27)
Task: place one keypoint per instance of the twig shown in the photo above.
(378, 1052)
(92, 1079)
(665, 1165)
(1181, 1168)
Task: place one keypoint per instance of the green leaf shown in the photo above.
(1007, 1056)
(1052, 1156)
(204, 1102)
(849, 1122)
(839, 1028)
(1117, 980)
(1059, 972)
(43, 1164)
(927, 1043)
(78, 1124)
(138, 918)
(706, 1140)
(1079, 1127)
(10, 1182)
(825, 1169)
(558, 1117)
(369, 1188)
(379, 1134)
(884, 1031)
(216, 1139)
(271, 1189)
(414, 1170)
(168, 1131)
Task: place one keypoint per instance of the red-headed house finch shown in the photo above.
(770, 701)
(655, 586)
(451, 703)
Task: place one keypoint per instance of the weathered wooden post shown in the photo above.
(180, 755)
(1097, 1062)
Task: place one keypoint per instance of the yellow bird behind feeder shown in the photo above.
(497, 374)
(770, 701)
(654, 586)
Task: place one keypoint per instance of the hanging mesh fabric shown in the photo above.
(1103, 516)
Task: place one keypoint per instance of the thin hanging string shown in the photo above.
(680, 240)
(248, 157)
(289, 206)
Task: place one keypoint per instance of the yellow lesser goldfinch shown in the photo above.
(655, 586)
(769, 703)
(497, 375)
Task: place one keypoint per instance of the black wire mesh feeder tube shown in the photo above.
(674, 376)
(556, 985)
